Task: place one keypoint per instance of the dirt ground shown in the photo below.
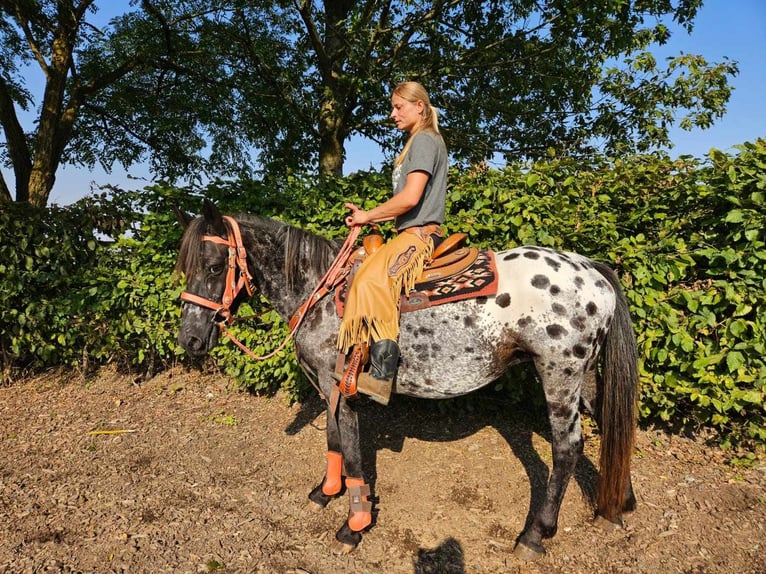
(181, 474)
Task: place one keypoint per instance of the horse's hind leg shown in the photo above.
(562, 393)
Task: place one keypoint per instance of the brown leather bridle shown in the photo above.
(237, 274)
(238, 277)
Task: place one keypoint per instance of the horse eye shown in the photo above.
(216, 269)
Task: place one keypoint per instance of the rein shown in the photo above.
(237, 266)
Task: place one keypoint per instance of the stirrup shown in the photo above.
(357, 361)
(379, 390)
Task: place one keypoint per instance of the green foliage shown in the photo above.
(74, 297)
(686, 235)
(208, 87)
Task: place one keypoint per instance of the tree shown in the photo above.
(514, 77)
(220, 86)
(107, 93)
(47, 34)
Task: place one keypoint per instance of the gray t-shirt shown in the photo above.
(429, 154)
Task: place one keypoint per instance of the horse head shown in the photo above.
(214, 263)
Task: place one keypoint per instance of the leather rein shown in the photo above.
(238, 277)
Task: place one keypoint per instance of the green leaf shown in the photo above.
(734, 360)
(735, 216)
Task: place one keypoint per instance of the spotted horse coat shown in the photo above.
(562, 311)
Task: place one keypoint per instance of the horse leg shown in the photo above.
(331, 485)
(562, 397)
(359, 518)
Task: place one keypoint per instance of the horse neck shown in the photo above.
(287, 263)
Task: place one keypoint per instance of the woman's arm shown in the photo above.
(398, 205)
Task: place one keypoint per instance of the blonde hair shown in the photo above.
(414, 92)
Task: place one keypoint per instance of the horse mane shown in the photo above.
(190, 252)
(303, 250)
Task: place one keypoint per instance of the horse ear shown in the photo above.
(213, 217)
(183, 218)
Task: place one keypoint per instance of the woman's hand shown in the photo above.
(357, 217)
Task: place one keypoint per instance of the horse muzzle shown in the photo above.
(198, 333)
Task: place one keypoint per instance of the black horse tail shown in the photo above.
(619, 394)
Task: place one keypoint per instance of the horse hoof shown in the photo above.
(527, 553)
(607, 525)
(341, 548)
(313, 507)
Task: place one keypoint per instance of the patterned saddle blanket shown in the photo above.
(465, 273)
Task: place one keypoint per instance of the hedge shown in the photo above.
(686, 236)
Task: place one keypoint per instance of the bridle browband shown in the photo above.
(237, 274)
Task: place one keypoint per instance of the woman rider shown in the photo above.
(371, 315)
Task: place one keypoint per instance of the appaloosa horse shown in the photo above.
(562, 311)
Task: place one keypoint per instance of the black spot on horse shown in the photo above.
(531, 255)
(503, 300)
(469, 322)
(481, 300)
(511, 256)
(555, 331)
(591, 308)
(600, 284)
(579, 351)
(573, 425)
(540, 281)
(525, 321)
(569, 372)
(559, 309)
(579, 282)
(565, 258)
(552, 263)
(578, 322)
(562, 410)
(555, 290)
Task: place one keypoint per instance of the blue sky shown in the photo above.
(735, 29)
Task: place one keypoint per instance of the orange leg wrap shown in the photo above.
(332, 480)
(360, 508)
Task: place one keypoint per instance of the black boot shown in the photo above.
(384, 362)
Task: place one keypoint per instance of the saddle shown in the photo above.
(453, 273)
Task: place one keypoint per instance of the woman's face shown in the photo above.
(406, 114)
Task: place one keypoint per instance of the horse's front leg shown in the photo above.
(360, 507)
(344, 471)
(331, 485)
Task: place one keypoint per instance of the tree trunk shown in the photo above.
(332, 59)
(330, 139)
